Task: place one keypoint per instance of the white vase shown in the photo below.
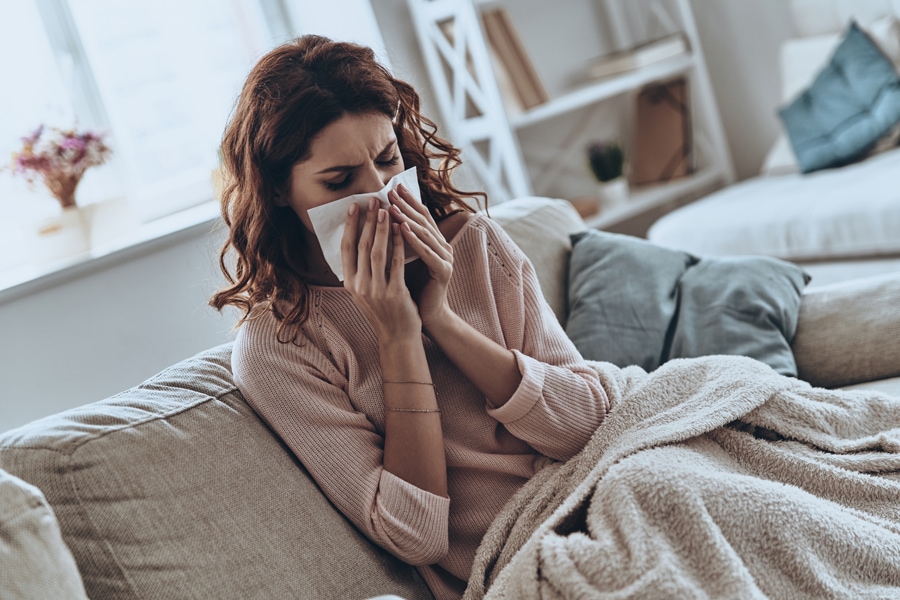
(62, 236)
(613, 194)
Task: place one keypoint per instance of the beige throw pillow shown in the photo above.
(34, 560)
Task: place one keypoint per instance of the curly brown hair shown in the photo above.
(292, 93)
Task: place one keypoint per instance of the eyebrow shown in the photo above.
(352, 167)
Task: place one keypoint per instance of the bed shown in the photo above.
(839, 223)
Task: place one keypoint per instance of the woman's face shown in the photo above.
(356, 154)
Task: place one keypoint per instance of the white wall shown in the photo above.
(102, 332)
(741, 41)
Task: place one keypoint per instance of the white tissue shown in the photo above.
(328, 219)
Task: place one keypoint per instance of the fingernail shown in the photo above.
(373, 202)
(395, 227)
(402, 187)
(381, 215)
(353, 208)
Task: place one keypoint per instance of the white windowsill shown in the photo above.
(115, 235)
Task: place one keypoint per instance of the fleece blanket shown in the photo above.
(711, 477)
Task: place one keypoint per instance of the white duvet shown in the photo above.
(849, 212)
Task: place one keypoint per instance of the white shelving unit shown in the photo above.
(474, 112)
(603, 90)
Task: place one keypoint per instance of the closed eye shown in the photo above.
(336, 186)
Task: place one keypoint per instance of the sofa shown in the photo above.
(175, 489)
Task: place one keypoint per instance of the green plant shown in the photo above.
(606, 160)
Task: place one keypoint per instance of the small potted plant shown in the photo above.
(607, 161)
(59, 157)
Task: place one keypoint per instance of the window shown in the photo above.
(161, 77)
(168, 72)
(34, 92)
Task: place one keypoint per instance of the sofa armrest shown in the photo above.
(849, 332)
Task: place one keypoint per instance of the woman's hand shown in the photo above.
(378, 288)
(422, 235)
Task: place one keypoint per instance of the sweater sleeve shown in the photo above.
(299, 393)
(560, 401)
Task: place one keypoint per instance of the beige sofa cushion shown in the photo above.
(34, 560)
(891, 386)
(849, 332)
(175, 489)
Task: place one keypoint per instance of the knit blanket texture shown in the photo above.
(712, 477)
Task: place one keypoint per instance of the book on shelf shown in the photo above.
(638, 57)
(662, 141)
(504, 41)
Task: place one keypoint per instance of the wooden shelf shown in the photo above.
(647, 198)
(603, 89)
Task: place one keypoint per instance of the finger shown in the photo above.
(418, 206)
(426, 252)
(348, 242)
(432, 237)
(410, 208)
(398, 259)
(380, 246)
(426, 229)
(366, 240)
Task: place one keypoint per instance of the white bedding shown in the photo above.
(849, 212)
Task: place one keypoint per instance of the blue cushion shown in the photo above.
(850, 105)
(632, 302)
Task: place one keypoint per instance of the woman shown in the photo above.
(419, 396)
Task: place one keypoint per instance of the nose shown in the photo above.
(371, 180)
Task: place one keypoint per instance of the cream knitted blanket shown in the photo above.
(712, 477)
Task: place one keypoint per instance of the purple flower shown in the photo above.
(72, 144)
(34, 137)
(57, 155)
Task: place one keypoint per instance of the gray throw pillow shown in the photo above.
(623, 292)
(633, 302)
(852, 103)
(744, 305)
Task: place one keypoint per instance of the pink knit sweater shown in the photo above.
(323, 396)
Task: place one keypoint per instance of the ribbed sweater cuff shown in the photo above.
(528, 392)
(414, 520)
(399, 497)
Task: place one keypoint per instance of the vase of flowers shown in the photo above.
(59, 157)
(607, 162)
